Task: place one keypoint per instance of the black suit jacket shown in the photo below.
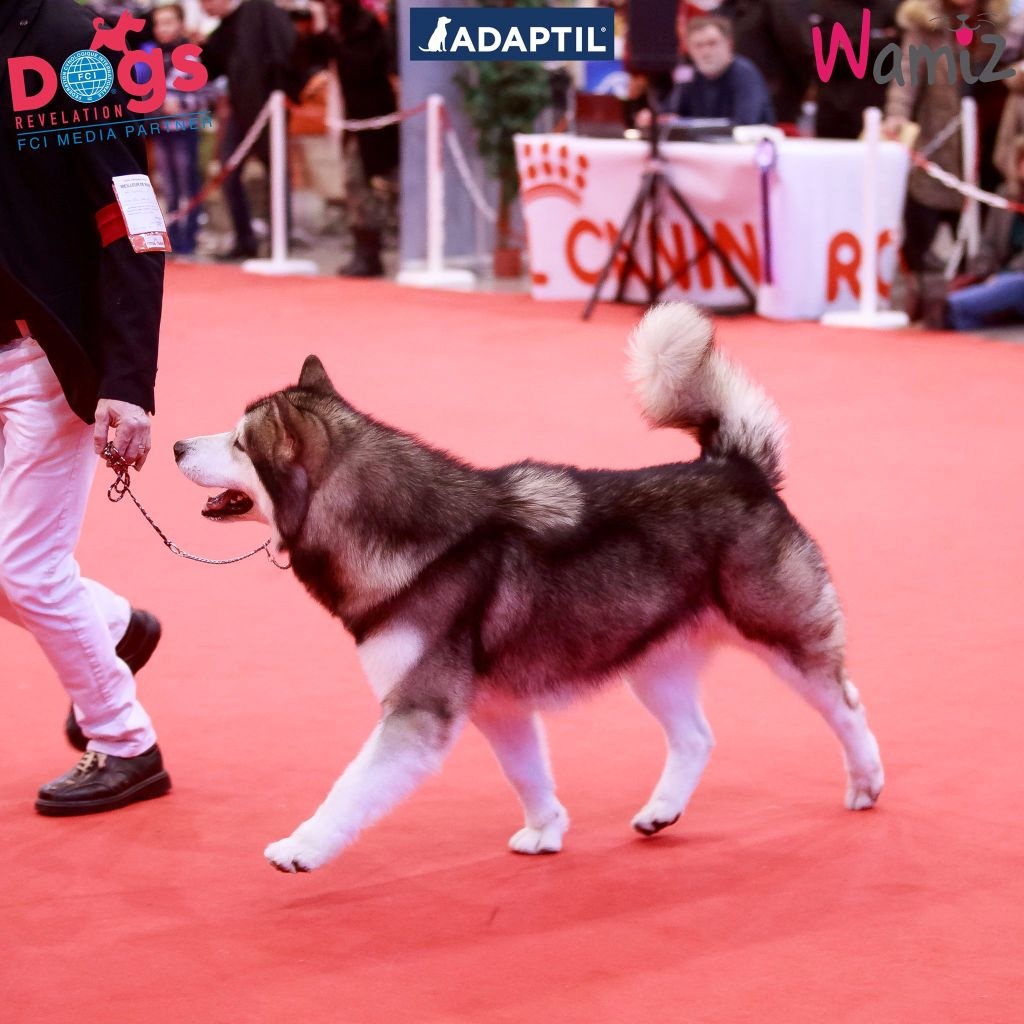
(94, 309)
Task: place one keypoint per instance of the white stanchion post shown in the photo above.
(436, 275)
(335, 109)
(869, 315)
(968, 231)
(972, 169)
(279, 263)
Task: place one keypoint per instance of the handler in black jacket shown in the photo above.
(79, 323)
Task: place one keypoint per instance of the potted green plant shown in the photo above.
(501, 100)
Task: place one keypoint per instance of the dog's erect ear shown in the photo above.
(303, 435)
(314, 377)
(290, 441)
(292, 422)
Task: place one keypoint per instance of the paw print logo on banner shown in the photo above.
(553, 171)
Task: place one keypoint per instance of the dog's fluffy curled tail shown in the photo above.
(685, 382)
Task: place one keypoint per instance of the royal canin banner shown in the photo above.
(576, 193)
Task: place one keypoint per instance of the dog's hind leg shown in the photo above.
(790, 612)
(828, 689)
(517, 737)
(666, 684)
(777, 592)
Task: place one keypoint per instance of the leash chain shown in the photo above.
(122, 486)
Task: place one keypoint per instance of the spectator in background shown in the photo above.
(687, 10)
(723, 85)
(362, 49)
(198, 24)
(110, 11)
(646, 88)
(934, 105)
(999, 297)
(1015, 33)
(999, 301)
(997, 294)
(776, 36)
(176, 150)
(843, 99)
(253, 46)
(1010, 139)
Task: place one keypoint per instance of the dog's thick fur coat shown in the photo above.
(486, 595)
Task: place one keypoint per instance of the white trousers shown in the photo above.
(47, 465)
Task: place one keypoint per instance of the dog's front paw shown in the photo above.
(654, 817)
(545, 839)
(301, 851)
(864, 788)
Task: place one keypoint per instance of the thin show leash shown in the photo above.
(122, 486)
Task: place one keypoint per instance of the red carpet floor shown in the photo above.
(767, 902)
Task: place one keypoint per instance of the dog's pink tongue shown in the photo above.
(227, 503)
(221, 501)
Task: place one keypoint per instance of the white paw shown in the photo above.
(301, 851)
(864, 788)
(658, 814)
(546, 839)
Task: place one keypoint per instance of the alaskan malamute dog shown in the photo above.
(485, 595)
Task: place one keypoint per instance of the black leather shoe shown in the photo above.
(103, 782)
(135, 648)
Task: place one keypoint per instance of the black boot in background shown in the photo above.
(366, 257)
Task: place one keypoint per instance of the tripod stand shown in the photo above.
(654, 187)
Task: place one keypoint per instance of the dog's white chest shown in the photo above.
(389, 656)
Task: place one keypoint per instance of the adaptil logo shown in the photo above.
(924, 62)
(514, 33)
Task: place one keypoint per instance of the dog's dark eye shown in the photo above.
(238, 445)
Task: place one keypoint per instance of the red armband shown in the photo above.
(110, 224)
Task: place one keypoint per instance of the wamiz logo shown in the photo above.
(921, 63)
(463, 33)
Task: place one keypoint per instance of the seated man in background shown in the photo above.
(720, 85)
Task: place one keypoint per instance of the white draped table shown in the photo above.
(577, 191)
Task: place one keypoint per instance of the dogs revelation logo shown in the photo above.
(461, 33)
(88, 77)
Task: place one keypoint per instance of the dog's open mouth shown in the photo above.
(227, 504)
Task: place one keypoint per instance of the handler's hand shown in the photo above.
(131, 430)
